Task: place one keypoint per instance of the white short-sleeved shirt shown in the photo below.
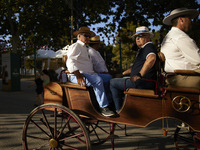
(78, 58)
(181, 52)
(97, 60)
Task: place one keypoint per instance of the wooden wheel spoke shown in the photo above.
(64, 127)
(39, 138)
(72, 130)
(72, 136)
(71, 147)
(96, 133)
(47, 123)
(102, 129)
(39, 127)
(55, 123)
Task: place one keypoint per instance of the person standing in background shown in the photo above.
(39, 89)
(45, 77)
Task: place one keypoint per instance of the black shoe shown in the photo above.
(111, 106)
(107, 112)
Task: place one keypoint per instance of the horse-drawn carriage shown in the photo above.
(70, 117)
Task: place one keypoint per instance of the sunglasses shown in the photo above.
(86, 35)
(140, 35)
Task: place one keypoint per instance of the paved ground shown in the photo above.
(15, 106)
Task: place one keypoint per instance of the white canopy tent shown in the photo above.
(47, 55)
(59, 54)
(42, 54)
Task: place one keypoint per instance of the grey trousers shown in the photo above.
(184, 81)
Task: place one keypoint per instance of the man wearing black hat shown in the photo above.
(79, 63)
(181, 52)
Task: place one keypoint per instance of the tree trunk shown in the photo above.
(15, 39)
(14, 30)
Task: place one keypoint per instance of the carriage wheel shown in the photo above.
(99, 131)
(184, 137)
(54, 127)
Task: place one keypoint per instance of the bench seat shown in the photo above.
(141, 92)
(71, 85)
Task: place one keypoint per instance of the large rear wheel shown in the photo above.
(54, 127)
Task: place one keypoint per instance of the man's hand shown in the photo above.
(134, 78)
(79, 78)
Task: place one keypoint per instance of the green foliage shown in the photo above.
(29, 64)
(128, 50)
(106, 53)
(48, 22)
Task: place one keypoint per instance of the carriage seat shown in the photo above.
(72, 85)
(141, 92)
(183, 89)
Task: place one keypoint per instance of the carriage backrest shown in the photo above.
(64, 59)
(160, 62)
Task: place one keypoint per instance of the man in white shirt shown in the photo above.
(181, 52)
(99, 64)
(97, 60)
(62, 77)
(79, 63)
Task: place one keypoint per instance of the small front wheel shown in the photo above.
(54, 127)
(184, 137)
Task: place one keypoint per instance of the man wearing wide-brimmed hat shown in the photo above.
(97, 60)
(79, 63)
(181, 52)
(99, 64)
(143, 67)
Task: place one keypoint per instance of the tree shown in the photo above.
(48, 22)
(139, 15)
(127, 43)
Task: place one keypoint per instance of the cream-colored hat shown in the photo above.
(180, 12)
(95, 39)
(143, 29)
(84, 29)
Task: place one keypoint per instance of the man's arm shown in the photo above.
(72, 56)
(189, 50)
(125, 73)
(79, 78)
(150, 61)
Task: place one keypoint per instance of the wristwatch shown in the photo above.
(139, 75)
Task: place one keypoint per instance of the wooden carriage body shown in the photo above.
(140, 108)
(71, 112)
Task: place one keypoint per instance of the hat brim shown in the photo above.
(84, 31)
(192, 12)
(95, 41)
(150, 33)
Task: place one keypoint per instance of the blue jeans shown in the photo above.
(106, 82)
(97, 83)
(117, 88)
